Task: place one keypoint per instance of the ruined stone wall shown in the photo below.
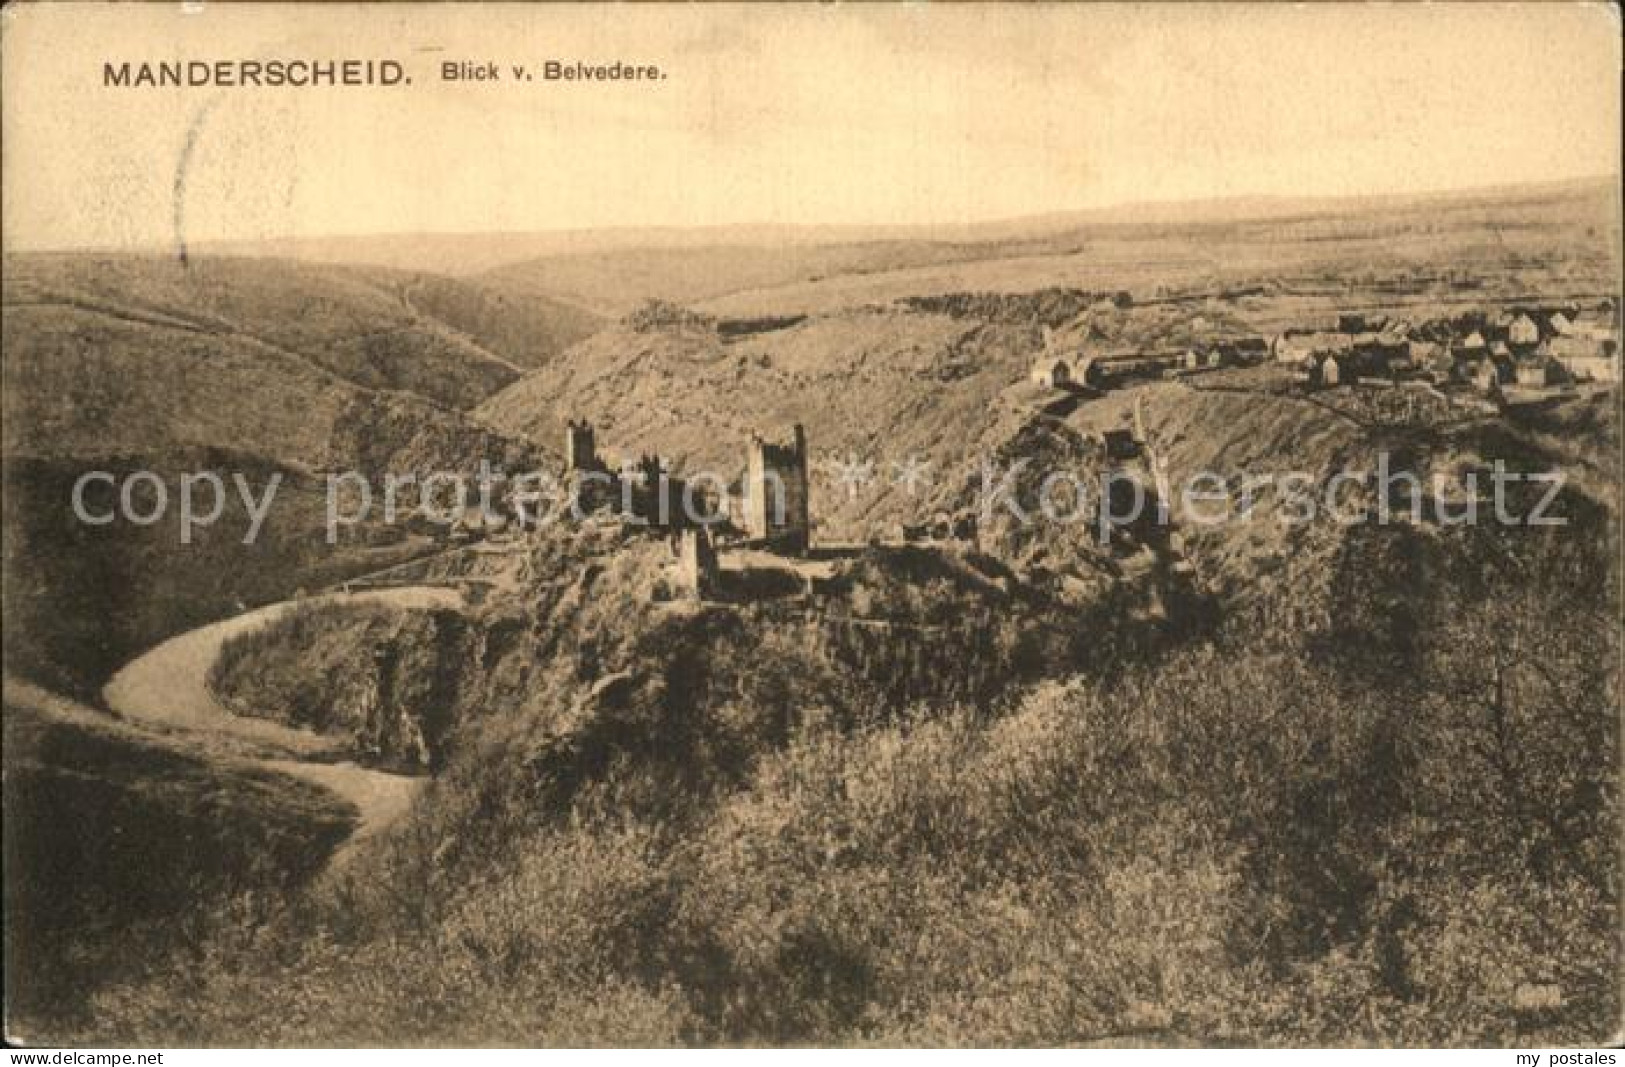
(697, 563)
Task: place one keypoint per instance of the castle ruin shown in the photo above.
(776, 493)
(773, 505)
(640, 490)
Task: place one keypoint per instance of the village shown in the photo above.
(1521, 354)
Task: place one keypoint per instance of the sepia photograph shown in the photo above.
(825, 525)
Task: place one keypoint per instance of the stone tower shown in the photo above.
(580, 451)
(776, 493)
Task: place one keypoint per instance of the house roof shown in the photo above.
(1579, 347)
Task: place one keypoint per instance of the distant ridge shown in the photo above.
(473, 253)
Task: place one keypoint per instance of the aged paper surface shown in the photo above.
(811, 525)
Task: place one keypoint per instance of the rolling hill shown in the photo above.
(1499, 236)
(118, 346)
(266, 369)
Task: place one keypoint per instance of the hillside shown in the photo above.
(352, 325)
(947, 389)
(1275, 569)
(259, 369)
(874, 384)
(109, 355)
(881, 384)
(110, 833)
(526, 329)
(712, 820)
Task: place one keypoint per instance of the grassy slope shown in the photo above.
(877, 384)
(231, 366)
(81, 600)
(119, 847)
(728, 825)
(523, 328)
(352, 324)
(110, 355)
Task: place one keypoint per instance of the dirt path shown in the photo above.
(168, 687)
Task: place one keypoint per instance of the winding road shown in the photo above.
(168, 687)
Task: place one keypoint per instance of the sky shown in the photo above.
(827, 114)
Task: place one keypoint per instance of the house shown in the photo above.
(1052, 372)
(1090, 372)
(1293, 346)
(1432, 360)
(1252, 349)
(1592, 368)
(1532, 373)
(1523, 332)
(1469, 349)
(1488, 375)
(1598, 325)
(1369, 355)
(1586, 359)
(1234, 352)
(1123, 366)
(1383, 354)
(1580, 346)
(1206, 359)
(1329, 371)
(1554, 321)
(1354, 323)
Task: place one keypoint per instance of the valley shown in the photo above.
(899, 767)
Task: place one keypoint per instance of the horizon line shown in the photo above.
(1305, 206)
